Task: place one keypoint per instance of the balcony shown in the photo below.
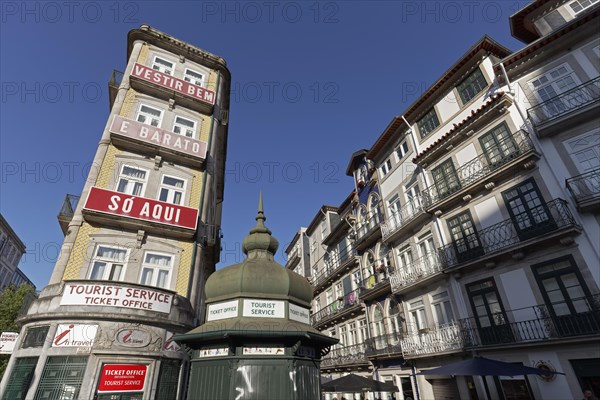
(65, 215)
(376, 284)
(152, 141)
(539, 323)
(167, 87)
(113, 87)
(432, 341)
(499, 161)
(347, 356)
(293, 258)
(547, 221)
(334, 269)
(585, 189)
(411, 214)
(367, 232)
(134, 213)
(340, 309)
(556, 114)
(419, 271)
(384, 346)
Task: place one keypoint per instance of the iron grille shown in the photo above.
(168, 379)
(20, 378)
(61, 378)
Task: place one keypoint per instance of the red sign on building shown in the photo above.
(172, 83)
(122, 378)
(115, 203)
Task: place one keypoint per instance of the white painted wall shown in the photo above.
(488, 212)
(447, 107)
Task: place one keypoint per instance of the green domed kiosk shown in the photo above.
(257, 342)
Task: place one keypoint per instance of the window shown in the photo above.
(168, 379)
(343, 338)
(464, 236)
(61, 378)
(132, 180)
(20, 378)
(442, 310)
(183, 126)
(585, 151)
(156, 270)
(471, 86)
(108, 263)
(323, 228)
(378, 325)
(193, 77)
(35, 337)
(171, 190)
(362, 329)
(445, 179)
(405, 258)
(162, 65)
(528, 210)
(374, 210)
(566, 295)
(580, 5)
(428, 123)
(394, 210)
(395, 320)
(554, 82)
(386, 167)
(498, 145)
(418, 318)
(402, 150)
(2, 241)
(352, 334)
(427, 251)
(489, 313)
(149, 115)
(413, 199)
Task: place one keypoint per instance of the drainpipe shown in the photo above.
(193, 291)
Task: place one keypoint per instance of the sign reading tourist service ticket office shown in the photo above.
(100, 294)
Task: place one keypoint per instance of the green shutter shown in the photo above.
(168, 380)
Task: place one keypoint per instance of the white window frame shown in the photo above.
(583, 8)
(443, 300)
(148, 115)
(184, 130)
(156, 269)
(171, 190)
(160, 67)
(129, 188)
(192, 79)
(386, 167)
(108, 273)
(418, 316)
(551, 81)
(401, 150)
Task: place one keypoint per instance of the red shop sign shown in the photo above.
(122, 378)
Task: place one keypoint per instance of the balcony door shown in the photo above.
(446, 180)
(465, 238)
(567, 298)
(490, 318)
(548, 86)
(528, 210)
(498, 146)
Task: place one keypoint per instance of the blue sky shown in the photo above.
(312, 83)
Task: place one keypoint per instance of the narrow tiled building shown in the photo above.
(140, 242)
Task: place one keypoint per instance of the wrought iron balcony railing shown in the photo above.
(384, 345)
(67, 210)
(482, 166)
(544, 219)
(418, 270)
(537, 323)
(113, 86)
(585, 188)
(209, 234)
(365, 227)
(406, 214)
(439, 339)
(348, 355)
(572, 100)
(335, 263)
(336, 307)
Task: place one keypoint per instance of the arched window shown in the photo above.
(395, 322)
(378, 325)
(362, 220)
(383, 260)
(374, 210)
(369, 269)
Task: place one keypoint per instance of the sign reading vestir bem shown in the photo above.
(172, 83)
(99, 294)
(116, 203)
